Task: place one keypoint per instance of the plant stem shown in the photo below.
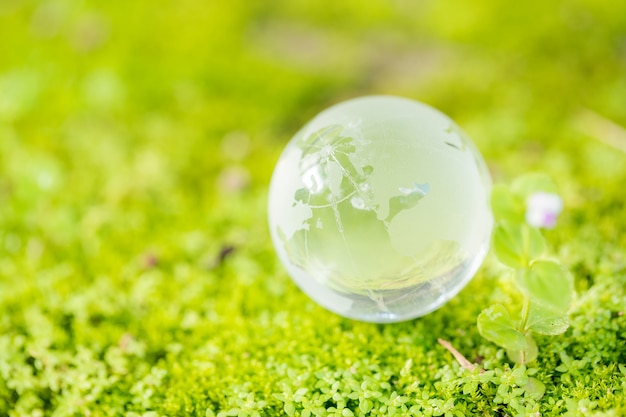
(525, 306)
(525, 313)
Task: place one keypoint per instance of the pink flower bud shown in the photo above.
(542, 209)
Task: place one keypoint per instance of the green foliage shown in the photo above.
(525, 185)
(137, 139)
(544, 320)
(517, 244)
(546, 285)
(496, 325)
(506, 205)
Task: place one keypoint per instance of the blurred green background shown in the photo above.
(137, 140)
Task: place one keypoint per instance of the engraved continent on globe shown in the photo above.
(379, 210)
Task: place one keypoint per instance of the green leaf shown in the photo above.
(548, 284)
(525, 355)
(505, 205)
(290, 408)
(470, 387)
(528, 184)
(535, 388)
(543, 320)
(516, 244)
(365, 405)
(495, 324)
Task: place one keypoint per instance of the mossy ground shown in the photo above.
(137, 140)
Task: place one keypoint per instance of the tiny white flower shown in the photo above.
(542, 209)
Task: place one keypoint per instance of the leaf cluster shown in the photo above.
(545, 286)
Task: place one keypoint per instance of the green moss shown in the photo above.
(137, 139)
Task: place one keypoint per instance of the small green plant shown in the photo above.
(545, 286)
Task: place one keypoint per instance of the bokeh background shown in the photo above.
(137, 139)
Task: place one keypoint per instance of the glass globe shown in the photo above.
(379, 209)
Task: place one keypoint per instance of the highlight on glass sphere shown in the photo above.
(379, 209)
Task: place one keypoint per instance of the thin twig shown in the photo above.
(601, 128)
(462, 360)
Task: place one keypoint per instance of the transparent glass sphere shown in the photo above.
(379, 209)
